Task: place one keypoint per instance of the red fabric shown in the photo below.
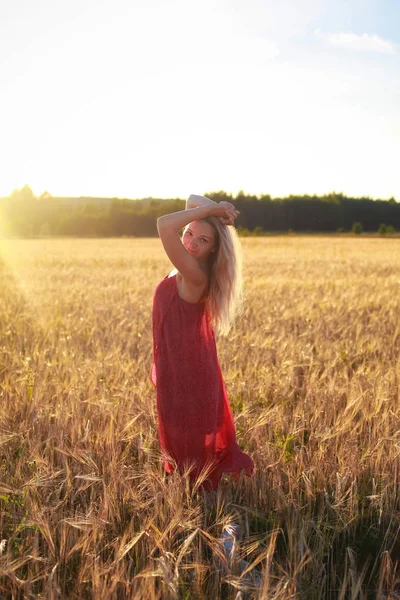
(195, 422)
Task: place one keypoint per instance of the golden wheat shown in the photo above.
(312, 370)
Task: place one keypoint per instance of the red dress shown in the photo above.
(195, 422)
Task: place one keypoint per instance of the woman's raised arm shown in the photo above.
(194, 201)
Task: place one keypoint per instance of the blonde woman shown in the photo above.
(199, 297)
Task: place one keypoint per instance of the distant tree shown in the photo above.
(242, 231)
(357, 227)
(28, 216)
(90, 208)
(332, 198)
(219, 196)
(248, 198)
(22, 226)
(44, 230)
(25, 194)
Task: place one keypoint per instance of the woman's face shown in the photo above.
(199, 239)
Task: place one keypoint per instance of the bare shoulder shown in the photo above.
(189, 291)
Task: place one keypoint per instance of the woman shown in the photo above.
(202, 294)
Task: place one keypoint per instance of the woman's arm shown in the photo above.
(177, 220)
(194, 201)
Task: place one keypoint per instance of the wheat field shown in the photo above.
(312, 369)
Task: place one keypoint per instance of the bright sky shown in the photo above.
(135, 98)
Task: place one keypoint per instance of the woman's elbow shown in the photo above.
(160, 223)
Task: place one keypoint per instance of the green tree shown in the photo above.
(219, 196)
(25, 194)
(44, 230)
(382, 228)
(357, 227)
(242, 231)
(258, 230)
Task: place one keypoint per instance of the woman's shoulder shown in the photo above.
(189, 292)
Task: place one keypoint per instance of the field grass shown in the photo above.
(312, 369)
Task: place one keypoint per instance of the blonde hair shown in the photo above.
(225, 291)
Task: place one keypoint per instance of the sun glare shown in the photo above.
(20, 261)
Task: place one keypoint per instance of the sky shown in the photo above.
(140, 98)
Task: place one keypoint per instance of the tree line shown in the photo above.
(25, 215)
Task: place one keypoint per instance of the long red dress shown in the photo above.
(195, 422)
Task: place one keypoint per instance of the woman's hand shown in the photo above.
(225, 211)
(229, 220)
